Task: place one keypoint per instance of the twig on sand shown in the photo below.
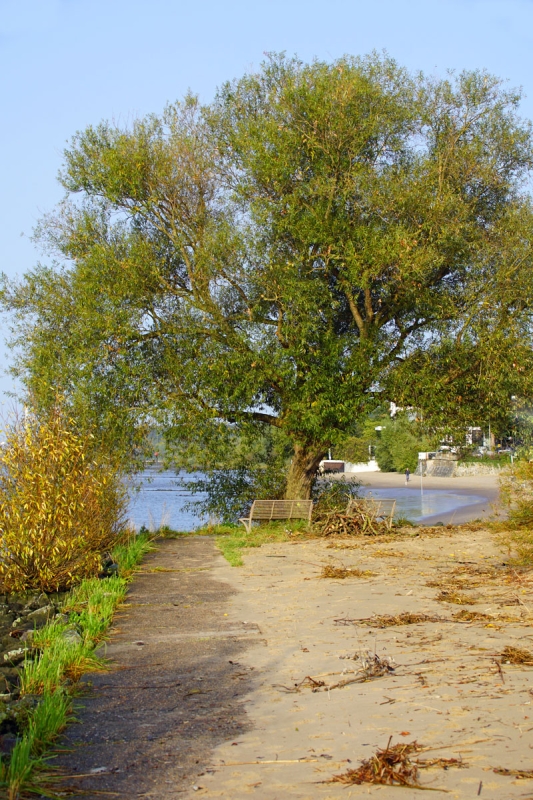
(499, 668)
(372, 666)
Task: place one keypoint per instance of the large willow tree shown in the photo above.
(319, 236)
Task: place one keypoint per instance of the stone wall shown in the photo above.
(463, 470)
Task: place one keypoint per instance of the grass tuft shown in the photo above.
(232, 540)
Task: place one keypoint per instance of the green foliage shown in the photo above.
(59, 509)
(319, 237)
(255, 467)
(399, 443)
(496, 460)
(355, 449)
(516, 493)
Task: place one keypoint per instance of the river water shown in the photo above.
(160, 500)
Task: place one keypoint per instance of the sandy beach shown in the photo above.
(315, 715)
(485, 486)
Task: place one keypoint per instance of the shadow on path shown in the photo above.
(175, 690)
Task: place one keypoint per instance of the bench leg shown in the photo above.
(247, 524)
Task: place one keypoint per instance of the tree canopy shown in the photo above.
(318, 238)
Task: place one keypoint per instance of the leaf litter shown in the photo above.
(451, 596)
(339, 573)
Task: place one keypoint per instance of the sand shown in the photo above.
(450, 689)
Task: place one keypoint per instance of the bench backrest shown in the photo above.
(281, 509)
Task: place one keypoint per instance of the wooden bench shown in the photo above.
(379, 508)
(262, 510)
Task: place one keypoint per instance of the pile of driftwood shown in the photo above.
(362, 520)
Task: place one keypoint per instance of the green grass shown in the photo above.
(233, 540)
(63, 658)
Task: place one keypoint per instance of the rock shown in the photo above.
(7, 620)
(15, 656)
(20, 625)
(109, 568)
(71, 636)
(31, 603)
(9, 677)
(7, 743)
(41, 616)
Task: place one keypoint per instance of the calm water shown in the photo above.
(160, 501)
(413, 505)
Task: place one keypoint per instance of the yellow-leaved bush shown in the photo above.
(60, 508)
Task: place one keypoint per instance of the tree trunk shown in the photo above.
(302, 471)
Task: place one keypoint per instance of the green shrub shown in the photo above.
(59, 509)
(516, 495)
(399, 444)
(516, 492)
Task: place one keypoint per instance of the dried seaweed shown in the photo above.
(455, 597)
(389, 620)
(444, 763)
(515, 655)
(374, 666)
(394, 767)
(514, 773)
(471, 616)
(391, 766)
(308, 681)
(452, 583)
(345, 572)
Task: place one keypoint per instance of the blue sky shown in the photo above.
(65, 64)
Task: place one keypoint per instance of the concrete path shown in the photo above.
(175, 688)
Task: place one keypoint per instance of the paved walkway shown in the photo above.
(175, 688)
